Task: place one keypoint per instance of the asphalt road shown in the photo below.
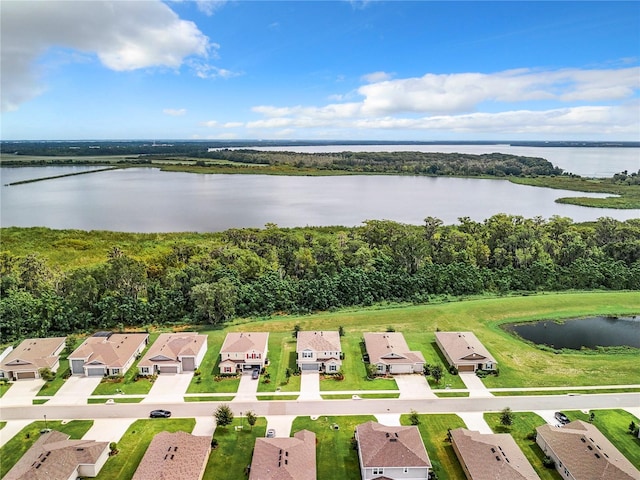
(329, 407)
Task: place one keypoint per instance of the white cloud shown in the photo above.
(175, 112)
(233, 125)
(123, 35)
(208, 7)
(205, 70)
(376, 77)
(452, 102)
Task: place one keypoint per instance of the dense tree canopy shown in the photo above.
(250, 272)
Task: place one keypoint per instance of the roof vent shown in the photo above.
(393, 439)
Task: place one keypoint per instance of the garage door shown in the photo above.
(466, 368)
(95, 372)
(168, 369)
(309, 366)
(23, 375)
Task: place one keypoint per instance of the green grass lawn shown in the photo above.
(564, 392)
(209, 380)
(523, 424)
(39, 401)
(346, 396)
(13, 450)
(335, 457)
(614, 424)
(276, 397)
(134, 444)
(445, 394)
(205, 398)
(2, 425)
(282, 355)
(433, 429)
(4, 387)
(235, 448)
(116, 399)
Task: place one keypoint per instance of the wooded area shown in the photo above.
(58, 282)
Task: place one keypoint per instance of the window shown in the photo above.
(378, 471)
(145, 369)
(115, 371)
(307, 354)
(381, 368)
(332, 368)
(227, 369)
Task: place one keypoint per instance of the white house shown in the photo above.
(319, 351)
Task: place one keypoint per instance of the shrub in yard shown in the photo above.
(548, 462)
(453, 370)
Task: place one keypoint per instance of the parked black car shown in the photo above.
(255, 374)
(160, 414)
(562, 418)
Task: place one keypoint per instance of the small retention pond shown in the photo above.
(584, 332)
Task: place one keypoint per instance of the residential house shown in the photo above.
(176, 456)
(581, 452)
(490, 456)
(174, 353)
(391, 452)
(54, 457)
(285, 458)
(26, 360)
(464, 351)
(319, 351)
(391, 355)
(106, 354)
(243, 351)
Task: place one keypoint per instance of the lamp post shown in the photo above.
(45, 423)
(241, 421)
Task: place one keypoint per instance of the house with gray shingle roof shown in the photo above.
(54, 457)
(581, 452)
(106, 353)
(464, 351)
(243, 351)
(285, 458)
(319, 351)
(391, 452)
(174, 353)
(391, 355)
(26, 360)
(493, 456)
(174, 456)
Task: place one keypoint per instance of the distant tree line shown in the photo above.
(258, 272)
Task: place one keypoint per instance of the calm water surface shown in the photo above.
(148, 200)
(583, 161)
(586, 332)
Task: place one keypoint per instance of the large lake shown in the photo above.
(148, 200)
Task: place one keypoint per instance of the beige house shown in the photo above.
(490, 456)
(391, 355)
(174, 353)
(243, 351)
(464, 351)
(26, 360)
(581, 452)
(287, 458)
(175, 456)
(391, 452)
(319, 351)
(54, 457)
(107, 353)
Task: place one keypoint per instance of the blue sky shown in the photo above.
(320, 70)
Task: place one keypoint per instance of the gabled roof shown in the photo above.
(171, 347)
(113, 350)
(174, 456)
(33, 354)
(54, 457)
(586, 452)
(492, 456)
(462, 346)
(243, 342)
(285, 458)
(390, 348)
(382, 446)
(319, 341)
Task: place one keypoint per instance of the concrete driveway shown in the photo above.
(475, 421)
(169, 387)
(108, 430)
(247, 388)
(11, 429)
(413, 386)
(205, 426)
(388, 419)
(75, 391)
(280, 423)
(475, 386)
(21, 392)
(309, 386)
(548, 416)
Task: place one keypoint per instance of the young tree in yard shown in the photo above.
(251, 418)
(372, 370)
(296, 329)
(223, 416)
(341, 331)
(592, 417)
(506, 417)
(632, 427)
(287, 374)
(413, 417)
(436, 373)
